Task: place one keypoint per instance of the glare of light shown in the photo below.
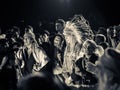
(65, 1)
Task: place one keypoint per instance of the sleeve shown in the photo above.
(40, 56)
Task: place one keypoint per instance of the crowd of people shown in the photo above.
(73, 57)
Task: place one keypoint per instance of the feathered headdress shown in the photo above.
(77, 26)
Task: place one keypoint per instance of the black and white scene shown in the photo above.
(59, 45)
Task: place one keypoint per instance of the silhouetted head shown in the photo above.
(109, 70)
(40, 81)
(59, 25)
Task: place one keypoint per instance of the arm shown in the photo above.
(41, 57)
(4, 60)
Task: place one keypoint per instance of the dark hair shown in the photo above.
(101, 37)
(46, 32)
(61, 21)
(62, 38)
(28, 27)
(40, 81)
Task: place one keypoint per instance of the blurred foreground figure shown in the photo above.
(109, 70)
(40, 81)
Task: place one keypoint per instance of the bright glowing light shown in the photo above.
(65, 1)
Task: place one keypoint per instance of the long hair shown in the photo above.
(31, 36)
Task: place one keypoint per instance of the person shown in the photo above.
(118, 33)
(108, 70)
(112, 37)
(59, 26)
(100, 39)
(85, 65)
(40, 81)
(13, 36)
(45, 43)
(59, 48)
(72, 50)
(3, 48)
(8, 75)
(118, 40)
(2, 36)
(83, 26)
(33, 56)
(59, 39)
(58, 56)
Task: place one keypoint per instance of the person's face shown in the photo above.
(112, 33)
(26, 41)
(59, 27)
(57, 41)
(46, 37)
(69, 36)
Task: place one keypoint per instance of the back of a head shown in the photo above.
(61, 21)
(39, 81)
(100, 38)
(89, 43)
(109, 70)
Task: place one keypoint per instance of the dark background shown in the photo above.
(98, 12)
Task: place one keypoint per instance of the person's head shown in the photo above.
(58, 40)
(111, 31)
(59, 25)
(72, 34)
(99, 38)
(46, 36)
(13, 32)
(108, 70)
(118, 32)
(69, 36)
(86, 34)
(16, 31)
(89, 47)
(39, 81)
(28, 39)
